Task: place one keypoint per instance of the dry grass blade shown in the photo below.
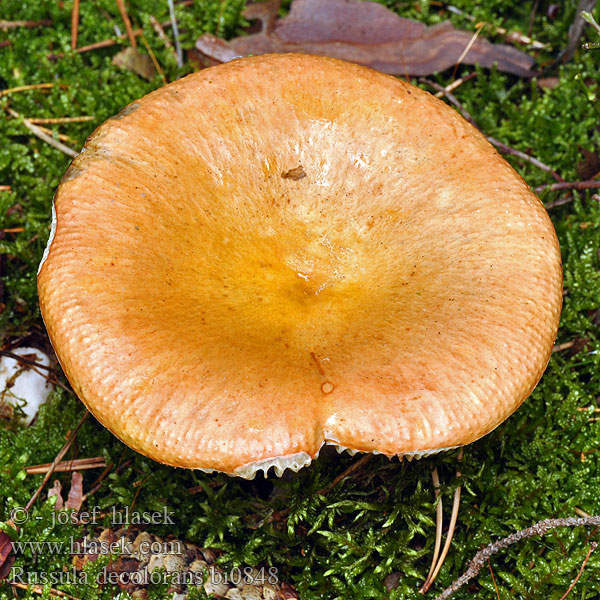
(79, 464)
(57, 460)
(59, 120)
(593, 546)
(438, 529)
(456, 84)
(24, 88)
(450, 534)
(39, 589)
(127, 22)
(28, 24)
(175, 34)
(39, 133)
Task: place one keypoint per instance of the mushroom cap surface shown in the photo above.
(289, 250)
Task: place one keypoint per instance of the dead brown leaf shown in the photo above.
(55, 491)
(75, 499)
(366, 33)
(589, 167)
(133, 60)
(7, 558)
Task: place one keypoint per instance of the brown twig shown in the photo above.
(563, 346)
(16, 24)
(568, 185)
(60, 120)
(494, 580)
(56, 460)
(36, 588)
(127, 22)
(112, 41)
(162, 35)
(560, 202)
(39, 133)
(5, 188)
(24, 88)
(363, 460)
(14, 230)
(153, 58)
(540, 528)
(510, 36)
(66, 466)
(479, 27)
(502, 147)
(26, 361)
(456, 84)
(593, 546)
(74, 24)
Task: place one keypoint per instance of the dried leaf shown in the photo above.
(133, 60)
(75, 499)
(548, 83)
(366, 33)
(56, 490)
(589, 167)
(7, 558)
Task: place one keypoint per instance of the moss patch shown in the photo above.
(543, 462)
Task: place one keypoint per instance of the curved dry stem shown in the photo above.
(453, 518)
(438, 529)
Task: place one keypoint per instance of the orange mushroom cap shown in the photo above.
(289, 250)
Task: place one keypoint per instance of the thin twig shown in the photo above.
(593, 546)
(511, 36)
(456, 84)
(560, 202)
(494, 580)
(127, 22)
(153, 58)
(502, 147)
(74, 24)
(112, 41)
(540, 528)
(36, 588)
(66, 466)
(563, 346)
(37, 131)
(175, 34)
(14, 230)
(61, 136)
(60, 120)
(162, 35)
(475, 35)
(56, 460)
(24, 88)
(363, 460)
(24, 360)
(17, 24)
(568, 185)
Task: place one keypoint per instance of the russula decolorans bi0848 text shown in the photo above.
(286, 251)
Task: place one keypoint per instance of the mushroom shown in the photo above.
(287, 251)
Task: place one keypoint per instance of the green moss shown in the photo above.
(344, 543)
